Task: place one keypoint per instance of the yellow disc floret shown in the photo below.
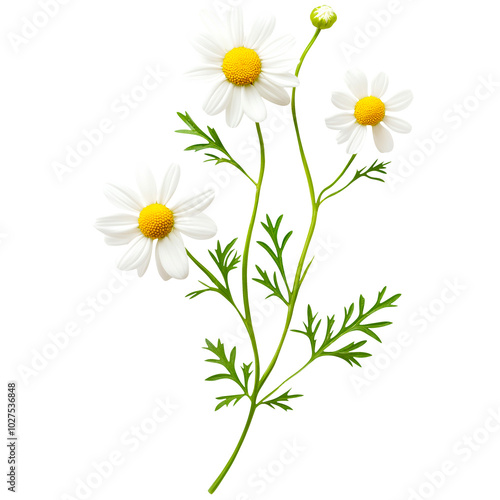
(156, 221)
(242, 66)
(369, 111)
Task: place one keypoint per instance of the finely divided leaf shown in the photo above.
(349, 353)
(369, 172)
(352, 323)
(227, 400)
(281, 400)
(212, 142)
(311, 328)
(229, 363)
(276, 253)
(226, 259)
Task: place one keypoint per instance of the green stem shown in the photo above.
(295, 292)
(337, 179)
(336, 192)
(314, 217)
(247, 318)
(225, 470)
(295, 121)
(245, 259)
(284, 382)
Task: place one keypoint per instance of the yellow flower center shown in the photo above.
(156, 221)
(369, 111)
(242, 66)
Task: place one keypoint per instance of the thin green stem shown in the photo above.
(247, 317)
(336, 192)
(285, 381)
(245, 259)
(337, 179)
(296, 123)
(225, 470)
(314, 217)
(293, 297)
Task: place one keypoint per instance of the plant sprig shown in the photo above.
(373, 172)
(349, 325)
(276, 254)
(212, 142)
(226, 259)
(231, 373)
(281, 400)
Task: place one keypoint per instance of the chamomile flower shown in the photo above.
(365, 109)
(246, 69)
(152, 218)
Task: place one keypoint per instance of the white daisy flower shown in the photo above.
(368, 109)
(148, 219)
(246, 69)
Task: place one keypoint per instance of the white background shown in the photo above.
(429, 234)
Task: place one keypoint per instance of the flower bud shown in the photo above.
(323, 17)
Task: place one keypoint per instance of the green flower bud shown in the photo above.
(323, 17)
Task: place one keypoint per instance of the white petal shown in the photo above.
(218, 98)
(164, 275)
(169, 184)
(346, 133)
(115, 221)
(356, 141)
(234, 110)
(343, 101)
(209, 48)
(173, 255)
(271, 92)
(383, 139)
(194, 204)
(142, 268)
(135, 254)
(399, 101)
(121, 232)
(398, 125)
(278, 64)
(147, 186)
(379, 85)
(217, 30)
(276, 47)
(260, 32)
(122, 239)
(253, 105)
(281, 79)
(199, 227)
(236, 27)
(123, 197)
(338, 122)
(205, 71)
(357, 82)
